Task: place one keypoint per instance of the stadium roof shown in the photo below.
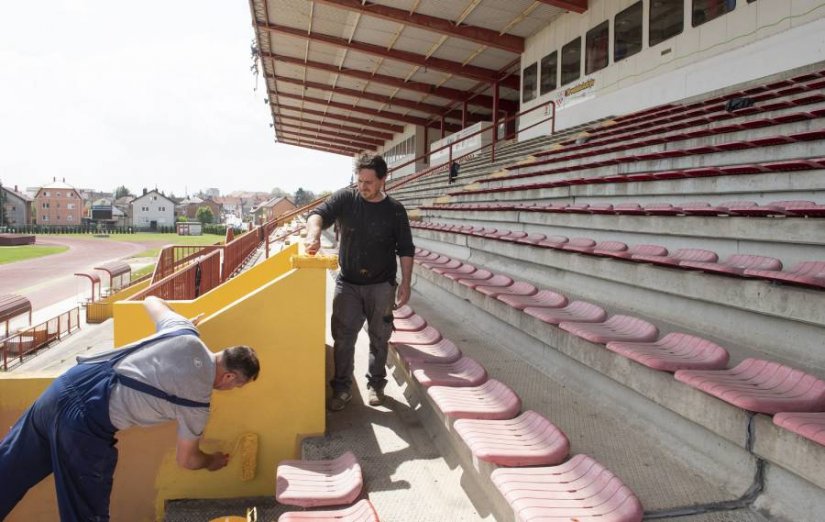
(344, 75)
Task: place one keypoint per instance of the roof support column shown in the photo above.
(464, 115)
(443, 130)
(495, 122)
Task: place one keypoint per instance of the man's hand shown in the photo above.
(402, 295)
(197, 319)
(312, 244)
(217, 461)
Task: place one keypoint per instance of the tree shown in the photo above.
(2, 206)
(278, 192)
(204, 215)
(302, 197)
(122, 191)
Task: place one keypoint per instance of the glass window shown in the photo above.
(571, 61)
(707, 10)
(529, 79)
(549, 70)
(627, 32)
(596, 48)
(667, 19)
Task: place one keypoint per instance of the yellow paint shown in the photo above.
(526, 161)
(104, 309)
(557, 146)
(247, 451)
(472, 186)
(414, 214)
(499, 173)
(609, 123)
(443, 200)
(329, 261)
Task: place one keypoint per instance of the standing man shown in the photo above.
(374, 230)
(70, 429)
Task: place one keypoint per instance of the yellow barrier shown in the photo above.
(102, 310)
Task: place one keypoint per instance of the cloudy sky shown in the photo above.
(142, 94)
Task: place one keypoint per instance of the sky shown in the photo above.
(143, 94)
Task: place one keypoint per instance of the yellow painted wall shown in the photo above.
(102, 310)
(284, 320)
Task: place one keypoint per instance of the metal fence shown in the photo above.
(196, 279)
(26, 342)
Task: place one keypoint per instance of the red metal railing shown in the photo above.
(173, 257)
(26, 342)
(236, 252)
(196, 279)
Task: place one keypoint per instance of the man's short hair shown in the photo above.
(242, 359)
(373, 162)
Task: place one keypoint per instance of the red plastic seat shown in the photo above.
(578, 311)
(462, 372)
(512, 237)
(315, 483)
(580, 489)
(449, 265)
(736, 264)
(441, 351)
(616, 328)
(609, 248)
(402, 312)
(491, 400)
(702, 208)
(527, 440)
(682, 254)
(801, 208)
(662, 209)
(427, 335)
(808, 425)
(361, 511)
(541, 299)
(496, 282)
(530, 239)
(760, 386)
(579, 244)
(517, 288)
(461, 269)
(675, 351)
(751, 209)
(474, 279)
(552, 242)
(413, 323)
(637, 250)
(601, 208)
(438, 261)
(806, 273)
(633, 209)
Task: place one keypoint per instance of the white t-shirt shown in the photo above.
(181, 366)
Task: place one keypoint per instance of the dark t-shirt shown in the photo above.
(372, 234)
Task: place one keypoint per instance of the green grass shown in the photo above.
(12, 254)
(148, 269)
(144, 237)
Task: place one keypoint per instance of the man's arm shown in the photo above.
(190, 456)
(313, 239)
(402, 295)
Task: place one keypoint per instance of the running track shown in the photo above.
(50, 279)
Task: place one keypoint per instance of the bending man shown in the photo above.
(70, 429)
(374, 230)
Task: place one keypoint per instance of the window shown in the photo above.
(627, 32)
(596, 48)
(45, 218)
(707, 10)
(70, 206)
(549, 67)
(571, 60)
(528, 82)
(667, 18)
(69, 218)
(58, 194)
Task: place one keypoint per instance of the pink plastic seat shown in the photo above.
(427, 335)
(736, 264)
(808, 425)
(702, 208)
(637, 250)
(527, 440)
(517, 288)
(479, 274)
(553, 242)
(512, 237)
(496, 282)
(438, 261)
(413, 323)
(806, 273)
(428, 257)
(760, 386)
(578, 311)
(751, 209)
(541, 299)
(682, 254)
(616, 328)
(579, 244)
(662, 209)
(675, 351)
(461, 269)
(530, 239)
(476, 278)
(601, 208)
(580, 489)
(609, 248)
(632, 209)
(463, 372)
(442, 351)
(801, 208)
(403, 312)
(491, 400)
(361, 511)
(315, 483)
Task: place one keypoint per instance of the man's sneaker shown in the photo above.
(376, 397)
(339, 400)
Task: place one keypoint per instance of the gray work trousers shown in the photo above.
(351, 306)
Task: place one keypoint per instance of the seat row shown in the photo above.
(533, 472)
(788, 208)
(755, 385)
(809, 274)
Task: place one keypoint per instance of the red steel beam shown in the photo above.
(385, 136)
(332, 134)
(363, 110)
(409, 104)
(343, 142)
(331, 150)
(367, 123)
(321, 143)
(478, 100)
(577, 6)
(439, 64)
(480, 35)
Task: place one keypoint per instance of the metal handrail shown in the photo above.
(33, 338)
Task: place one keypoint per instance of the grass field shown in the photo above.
(10, 254)
(146, 237)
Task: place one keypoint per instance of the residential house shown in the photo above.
(272, 209)
(58, 204)
(17, 206)
(152, 210)
(189, 208)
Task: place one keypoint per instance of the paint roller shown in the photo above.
(246, 451)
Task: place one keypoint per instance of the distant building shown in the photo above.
(212, 193)
(272, 209)
(17, 206)
(58, 204)
(189, 208)
(152, 210)
(103, 212)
